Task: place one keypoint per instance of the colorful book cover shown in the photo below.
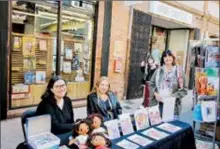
(126, 124)
(20, 88)
(40, 77)
(140, 140)
(127, 144)
(29, 63)
(208, 109)
(42, 45)
(141, 119)
(212, 56)
(29, 77)
(75, 63)
(155, 134)
(68, 53)
(78, 47)
(17, 44)
(67, 67)
(113, 129)
(28, 46)
(154, 115)
(169, 127)
(207, 81)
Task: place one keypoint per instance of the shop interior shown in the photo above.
(33, 49)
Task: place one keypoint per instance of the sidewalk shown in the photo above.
(12, 135)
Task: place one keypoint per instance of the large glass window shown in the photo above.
(33, 53)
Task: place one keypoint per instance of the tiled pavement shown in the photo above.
(11, 131)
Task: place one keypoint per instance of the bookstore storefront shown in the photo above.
(33, 51)
(170, 30)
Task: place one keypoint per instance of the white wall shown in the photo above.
(193, 4)
(213, 9)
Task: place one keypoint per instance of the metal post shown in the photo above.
(106, 37)
(59, 36)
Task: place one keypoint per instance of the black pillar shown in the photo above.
(106, 37)
(59, 37)
(94, 44)
(3, 57)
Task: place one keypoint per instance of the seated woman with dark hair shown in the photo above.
(59, 106)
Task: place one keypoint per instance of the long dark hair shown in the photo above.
(92, 136)
(148, 65)
(167, 53)
(48, 94)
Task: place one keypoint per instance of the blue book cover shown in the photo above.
(29, 77)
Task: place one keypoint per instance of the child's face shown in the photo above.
(83, 129)
(96, 122)
(98, 141)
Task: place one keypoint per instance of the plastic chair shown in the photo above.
(25, 115)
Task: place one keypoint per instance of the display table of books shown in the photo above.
(170, 135)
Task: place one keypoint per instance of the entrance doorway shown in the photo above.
(141, 27)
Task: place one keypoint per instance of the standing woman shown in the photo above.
(148, 70)
(168, 79)
(102, 101)
(59, 106)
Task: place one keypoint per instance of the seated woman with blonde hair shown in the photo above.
(103, 101)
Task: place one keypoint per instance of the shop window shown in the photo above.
(33, 50)
(158, 41)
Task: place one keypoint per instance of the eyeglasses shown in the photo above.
(59, 86)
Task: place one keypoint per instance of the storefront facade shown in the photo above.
(44, 41)
(172, 25)
(106, 38)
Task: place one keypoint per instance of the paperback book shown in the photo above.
(113, 129)
(141, 119)
(155, 134)
(169, 127)
(140, 140)
(127, 144)
(126, 124)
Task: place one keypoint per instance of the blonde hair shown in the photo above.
(103, 78)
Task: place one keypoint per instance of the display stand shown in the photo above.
(196, 98)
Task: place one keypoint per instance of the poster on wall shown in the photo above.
(207, 81)
(28, 46)
(29, 63)
(40, 77)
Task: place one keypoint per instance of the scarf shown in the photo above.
(178, 71)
